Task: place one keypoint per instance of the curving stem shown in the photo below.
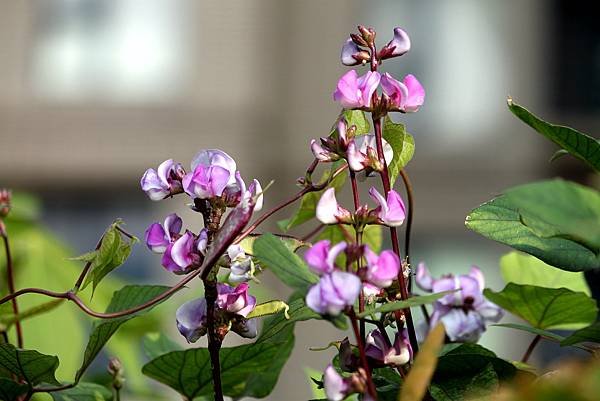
(11, 284)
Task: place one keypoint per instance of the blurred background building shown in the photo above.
(94, 92)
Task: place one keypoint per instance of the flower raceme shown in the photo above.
(338, 289)
(233, 306)
(465, 311)
(390, 211)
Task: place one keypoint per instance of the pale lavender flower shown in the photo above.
(159, 236)
(391, 210)
(158, 184)
(321, 258)
(382, 270)
(464, 312)
(399, 45)
(235, 299)
(354, 92)
(336, 387)
(407, 96)
(378, 348)
(191, 319)
(206, 182)
(333, 293)
(352, 54)
(329, 211)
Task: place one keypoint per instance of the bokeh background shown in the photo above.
(94, 92)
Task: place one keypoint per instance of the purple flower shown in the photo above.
(158, 237)
(333, 293)
(407, 96)
(191, 319)
(399, 45)
(321, 258)
(336, 387)
(464, 312)
(391, 211)
(382, 270)
(206, 182)
(215, 157)
(235, 299)
(355, 92)
(164, 182)
(328, 210)
(378, 348)
(352, 54)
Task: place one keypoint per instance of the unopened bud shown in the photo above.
(368, 34)
(115, 369)
(5, 197)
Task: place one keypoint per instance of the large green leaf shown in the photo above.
(308, 204)
(560, 209)
(84, 392)
(293, 243)
(468, 370)
(402, 143)
(28, 365)
(113, 251)
(538, 332)
(587, 334)
(545, 308)
(359, 119)
(520, 268)
(246, 371)
(156, 344)
(409, 303)
(577, 143)
(285, 264)
(127, 297)
(501, 220)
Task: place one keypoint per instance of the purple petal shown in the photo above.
(368, 84)
(347, 285)
(463, 327)
(476, 273)
(416, 94)
(316, 257)
(347, 91)
(181, 253)
(164, 172)
(168, 262)
(396, 211)
(423, 277)
(348, 50)
(152, 185)
(356, 159)
(400, 42)
(156, 238)
(396, 90)
(191, 319)
(215, 157)
(376, 345)
(382, 270)
(173, 225)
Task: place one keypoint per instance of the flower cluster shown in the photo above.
(360, 92)
(213, 177)
(465, 311)
(233, 306)
(390, 211)
(338, 289)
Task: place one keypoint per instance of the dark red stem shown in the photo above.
(11, 288)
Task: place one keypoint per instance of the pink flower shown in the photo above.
(164, 182)
(408, 96)
(354, 92)
(382, 270)
(321, 258)
(235, 299)
(391, 211)
(328, 210)
(360, 149)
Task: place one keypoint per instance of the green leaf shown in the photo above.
(359, 119)
(127, 297)
(285, 264)
(10, 319)
(308, 204)
(156, 344)
(293, 243)
(409, 303)
(538, 332)
(468, 369)
(270, 308)
(402, 143)
(587, 334)
(580, 145)
(28, 365)
(246, 371)
(84, 392)
(10, 390)
(520, 268)
(113, 251)
(561, 209)
(545, 308)
(501, 220)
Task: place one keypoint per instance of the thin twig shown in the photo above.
(363, 355)
(11, 287)
(531, 347)
(314, 232)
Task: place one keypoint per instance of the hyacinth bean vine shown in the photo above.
(338, 272)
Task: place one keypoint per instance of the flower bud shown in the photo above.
(398, 46)
(368, 34)
(5, 198)
(191, 319)
(115, 369)
(352, 54)
(328, 210)
(391, 210)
